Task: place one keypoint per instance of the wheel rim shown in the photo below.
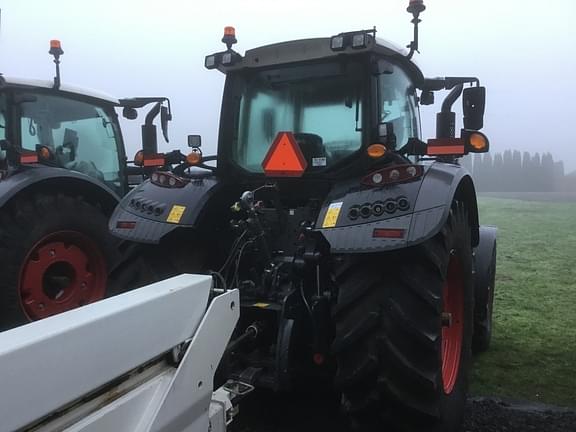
(452, 324)
(64, 270)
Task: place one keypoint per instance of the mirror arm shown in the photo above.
(446, 118)
(447, 83)
(451, 98)
(152, 114)
(149, 139)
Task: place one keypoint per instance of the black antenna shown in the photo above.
(415, 8)
(56, 51)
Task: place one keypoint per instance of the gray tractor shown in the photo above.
(63, 170)
(356, 246)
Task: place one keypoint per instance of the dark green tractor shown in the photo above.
(356, 246)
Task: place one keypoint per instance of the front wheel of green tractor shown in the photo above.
(55, 252)
(404, 324)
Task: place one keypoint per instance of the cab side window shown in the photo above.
(81, 135)
(2, 116)
(397, 103)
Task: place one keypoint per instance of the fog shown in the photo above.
(523, 52)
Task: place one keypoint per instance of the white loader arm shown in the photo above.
(140, 361)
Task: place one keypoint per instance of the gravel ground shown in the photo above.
(493, 415)
(319, 413)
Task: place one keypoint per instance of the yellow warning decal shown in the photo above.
(175, 214)
(332, 215)
(261, 305)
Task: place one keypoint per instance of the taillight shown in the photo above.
(391, 233)
(125, 224)
(394, 174)
(167, 180)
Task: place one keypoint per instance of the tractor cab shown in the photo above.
(63, 129)
(47, 123)
(348, 103)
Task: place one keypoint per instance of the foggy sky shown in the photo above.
(524, 52)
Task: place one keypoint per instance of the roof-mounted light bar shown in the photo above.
(225, 58)
(356, 40)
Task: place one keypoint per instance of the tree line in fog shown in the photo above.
(513, 171)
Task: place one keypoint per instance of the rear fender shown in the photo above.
(443, 184)
(57, 180)
(429, 199)
(151, 212)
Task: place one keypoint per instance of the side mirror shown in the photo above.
(473, 103)
(130, 113)
(194, 141)
(427, 97)
(165, 117)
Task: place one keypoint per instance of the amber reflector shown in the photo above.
(284, 158)
(477, 142)
(45, 153)
(194, 158)
(376, 151)
(139, 158)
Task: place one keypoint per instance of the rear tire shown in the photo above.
(397, 365)
(55, 251)
(144, 264)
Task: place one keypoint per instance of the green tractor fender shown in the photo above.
(352, 221)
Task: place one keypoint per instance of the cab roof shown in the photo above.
(302, 50)
(49, 84)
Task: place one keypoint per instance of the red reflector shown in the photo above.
(393, 233)
(29, 158)
(445, 146)
(155, 160)
(125, 224)
(284, 158)
(394, 174)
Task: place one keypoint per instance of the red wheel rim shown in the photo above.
(452, 324)
(62, 271)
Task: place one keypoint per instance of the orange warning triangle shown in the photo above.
(284, 158)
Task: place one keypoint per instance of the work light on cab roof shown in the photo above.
(228, 57)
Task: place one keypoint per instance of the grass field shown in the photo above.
(533, 352)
